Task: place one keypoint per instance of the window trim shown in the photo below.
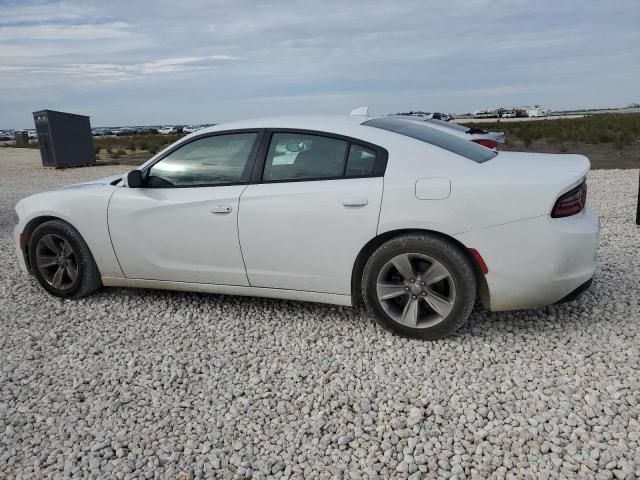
(248, 169)
(380, 166)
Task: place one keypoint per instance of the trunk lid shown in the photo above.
(542, 168)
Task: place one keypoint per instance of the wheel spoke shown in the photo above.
(66, 249)
(72, 273)
(441, 305)
(57, 278)
(403, 265)
(410, 314)
(45, 261)
(51, 244)
(435, 273)
(390, 290)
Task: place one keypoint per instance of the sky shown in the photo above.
(210, 61)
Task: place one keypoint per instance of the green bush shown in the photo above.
(619, 130)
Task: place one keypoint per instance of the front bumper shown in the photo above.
(19, 253)
(538, 261)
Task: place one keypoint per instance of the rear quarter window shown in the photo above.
(432, 136)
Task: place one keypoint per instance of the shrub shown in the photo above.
(621, 129)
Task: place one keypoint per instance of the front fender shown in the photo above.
(85, 208)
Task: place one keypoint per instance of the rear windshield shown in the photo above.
(452, 125)
(425, 133)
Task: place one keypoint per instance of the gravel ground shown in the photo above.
(150, 384)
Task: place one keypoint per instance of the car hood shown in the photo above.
(97, 182)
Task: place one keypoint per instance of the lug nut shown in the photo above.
(406, 289)
(413, 280)
(424, 294)
(414, 297)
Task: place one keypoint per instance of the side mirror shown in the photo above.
(134, 179)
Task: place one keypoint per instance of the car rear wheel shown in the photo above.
(61, 260)
(419, 285)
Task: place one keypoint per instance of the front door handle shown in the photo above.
(355, 202)
(221, 209)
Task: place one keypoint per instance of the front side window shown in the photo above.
(216, 160)
(300, 156)
(438, 138)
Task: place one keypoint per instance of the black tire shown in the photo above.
(419, 246)
(79, 260)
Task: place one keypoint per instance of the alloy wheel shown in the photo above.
(416, 290)
(56, 261)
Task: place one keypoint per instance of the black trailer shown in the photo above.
(65, 139)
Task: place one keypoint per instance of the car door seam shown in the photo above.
(113, 247)
(380, 207)
(244, 264)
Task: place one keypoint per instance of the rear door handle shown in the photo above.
(355, 202)
(221, 209)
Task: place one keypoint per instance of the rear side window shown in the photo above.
(299, 156)
(432, 136)
(360, 162)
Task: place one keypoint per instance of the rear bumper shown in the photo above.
(577, 293)
(539, 261)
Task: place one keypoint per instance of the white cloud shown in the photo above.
(52, 12)
(106, 31)
(110, 72)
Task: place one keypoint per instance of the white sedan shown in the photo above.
(415, 222)
(486, 139)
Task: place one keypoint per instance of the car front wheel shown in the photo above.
(419, 285)
(61, 260)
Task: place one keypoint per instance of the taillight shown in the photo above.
(492, 144)
(571, 202)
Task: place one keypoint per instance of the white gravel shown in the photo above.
(150, 384)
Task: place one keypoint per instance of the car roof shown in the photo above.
(324, 123)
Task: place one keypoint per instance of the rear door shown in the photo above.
(314, 205)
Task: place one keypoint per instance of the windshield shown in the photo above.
(432, 136)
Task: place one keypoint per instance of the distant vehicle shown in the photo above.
(192, 128)
(123, 132)
(485, 114)
(167, 130)
(537, 111)
(508, 115)
(440, 116)
(417, 223)
(486, 139)
(147, 131)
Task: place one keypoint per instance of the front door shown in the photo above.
(182, 225)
